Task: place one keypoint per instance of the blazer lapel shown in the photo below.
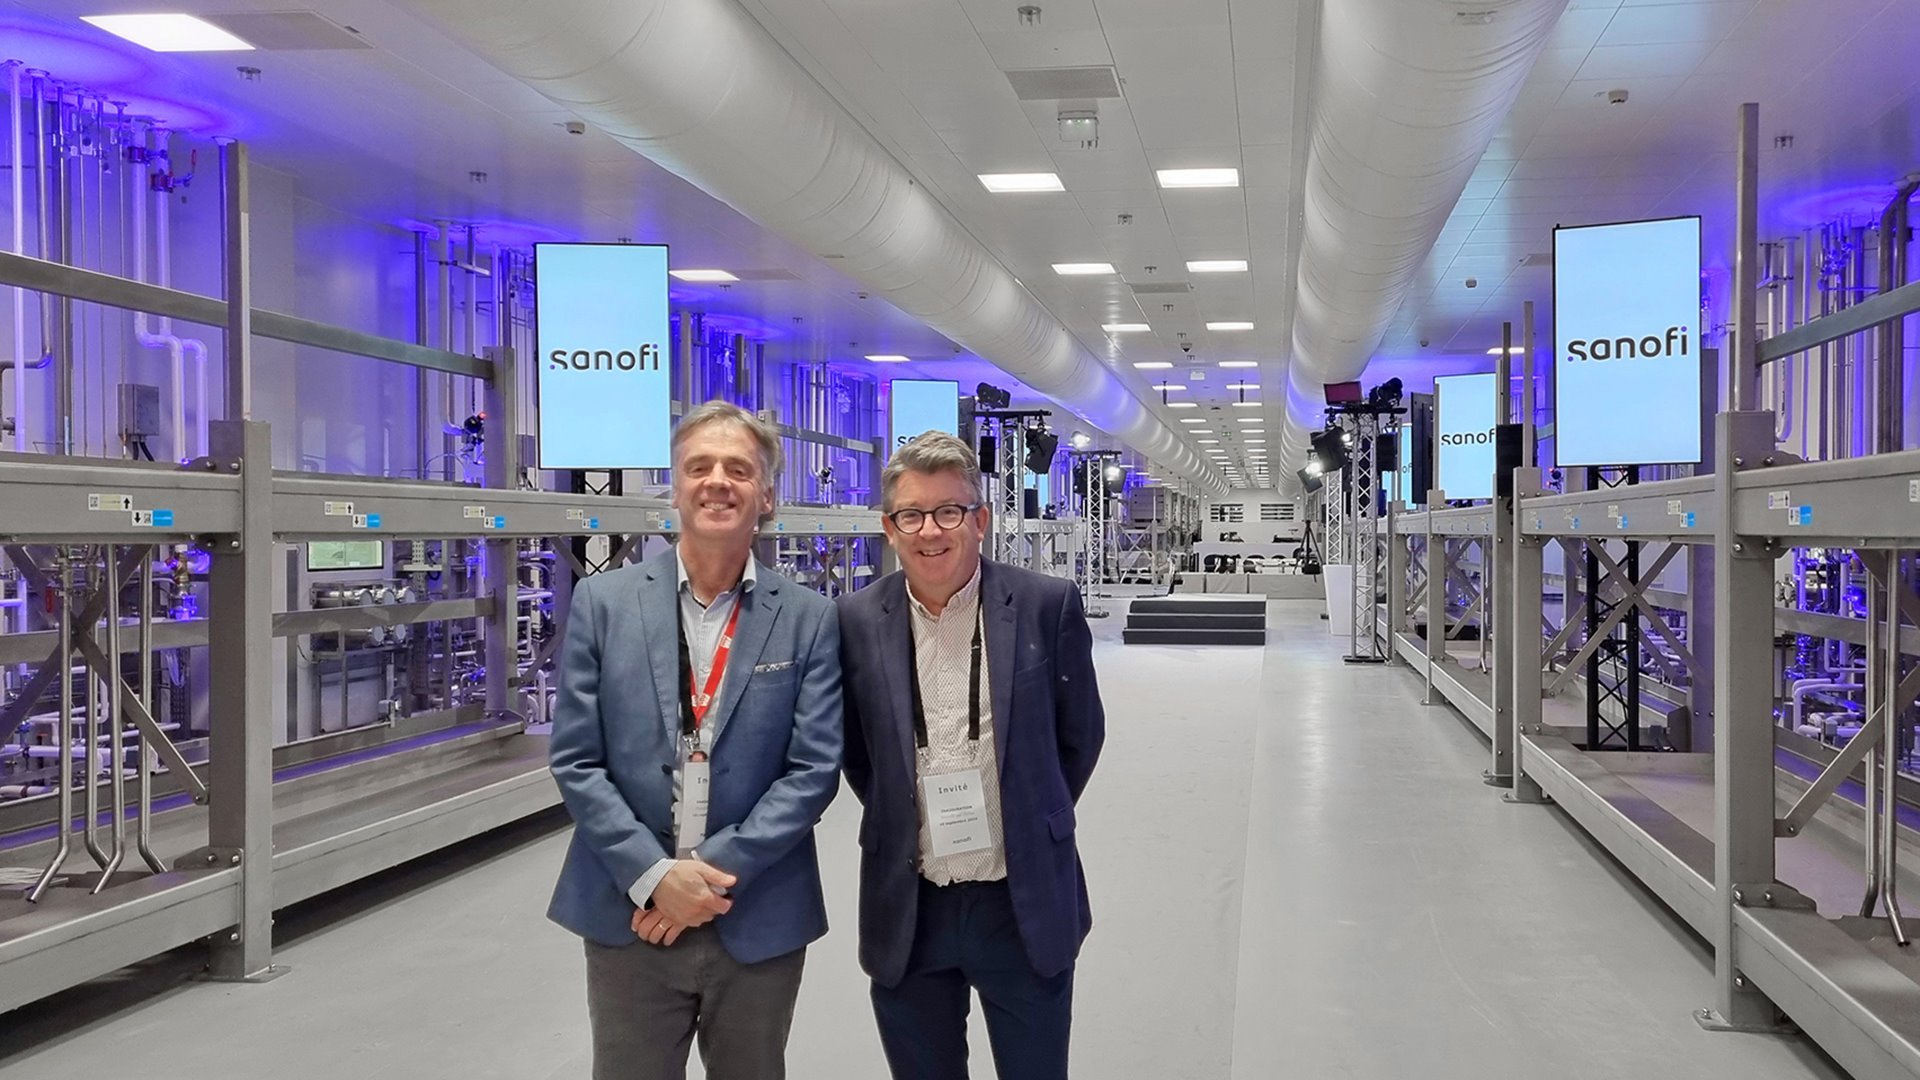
(659, 609)
(896, 662)
(761, 605)
(1003, 648)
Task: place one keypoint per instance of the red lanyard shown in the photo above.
(698, 701)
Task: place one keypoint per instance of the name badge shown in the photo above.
(956, 812)
(696, 787)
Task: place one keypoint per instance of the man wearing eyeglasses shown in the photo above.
(973, 722)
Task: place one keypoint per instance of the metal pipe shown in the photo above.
(43, 196)
(1890, 751)
(1743, 369)
(116, 728)
(1891, 369)
(1872, 705)
(420, 334)
(16, 162)
(143, 838)
(64, 730)
(90, 828)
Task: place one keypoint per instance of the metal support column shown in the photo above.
(1743, 767)
(1436, 637)
(240, 697)
(1518, 667)
(502, 449)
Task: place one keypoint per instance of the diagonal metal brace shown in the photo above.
(1614, 618)
(1636, 595)
(150, 732)
(15, 714)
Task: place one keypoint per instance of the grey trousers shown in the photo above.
(647, 1003)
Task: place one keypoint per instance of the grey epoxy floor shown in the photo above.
(1295, 873)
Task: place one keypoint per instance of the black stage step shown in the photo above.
(1154, 620)
(1134, 636)
(1201, 605)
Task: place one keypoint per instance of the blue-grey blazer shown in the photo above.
(776, 755)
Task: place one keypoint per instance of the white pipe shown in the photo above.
(702, 89)
(17, 162)
(1806, 686)
(164, 278)
(142, 332)
(1406, 98)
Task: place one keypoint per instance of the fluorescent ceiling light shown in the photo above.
(1239, 363)
(705, 276)
(1206, 442)
(1198, 430)
(1003, 183)
(1186, 178)
(1165, 386)
(169, 33)
(1069, 269)
(1248, 420)
(1192, 420)
(1247, 405)
(1216, 266)
(1153, 365)
(1180, 405)
(1243, 386)
(888, 358)
(1122, 327)
(1254, 442)
(1229, 326)
(1516, 351)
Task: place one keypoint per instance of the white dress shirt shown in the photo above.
(703, 624)
(943, 646)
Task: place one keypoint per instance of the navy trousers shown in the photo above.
(965, 939)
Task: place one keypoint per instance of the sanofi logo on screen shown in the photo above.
(918, 406)
(601, 334)
(1626, 314)
(1465, 416)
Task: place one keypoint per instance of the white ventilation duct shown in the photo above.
(1406, 97)
(703, 90)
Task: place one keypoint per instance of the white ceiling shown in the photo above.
(1204, 83)
(392, 131)
(1837, 75)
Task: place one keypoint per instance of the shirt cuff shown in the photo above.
(642, 891)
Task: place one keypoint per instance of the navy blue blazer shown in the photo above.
(1048, 725)
(776, 755)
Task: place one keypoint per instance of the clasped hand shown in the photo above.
(691, 894)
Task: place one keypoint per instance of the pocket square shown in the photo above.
(778, 665)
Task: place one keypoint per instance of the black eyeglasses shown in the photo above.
(947, 517)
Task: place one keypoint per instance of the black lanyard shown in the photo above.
(973, 683)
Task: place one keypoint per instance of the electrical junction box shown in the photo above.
(139, 410)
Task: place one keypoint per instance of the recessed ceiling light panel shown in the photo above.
(1008, 183)
(1082, 269)
(703, 276)
(1198, 178)
(169, 32)
(1216, 266)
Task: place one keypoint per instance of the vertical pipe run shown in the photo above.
(237, 265)
(64, 731)
(1871, 707)
(1744, 364)
(90, 723)
(1529, 453)
(116, 727)
(143, 838)
(1890, 749)
(16, 150)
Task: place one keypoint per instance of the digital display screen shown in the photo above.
(1463, 446)
(346, 554)
(918, 406)
(601, 332)
(1626, 329)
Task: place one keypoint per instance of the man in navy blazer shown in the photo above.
(696, 741)
(973, 722)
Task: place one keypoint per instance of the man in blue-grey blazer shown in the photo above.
(696, 742)
(973, 725)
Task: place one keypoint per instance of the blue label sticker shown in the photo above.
(1803, 516)
(1623, 521)
(373, 521)
(666, 524)
(819, 526)
(593, 523)
(499, 522)
(779, 526)
(1576, 523)
(163, 519)
(1689, 519)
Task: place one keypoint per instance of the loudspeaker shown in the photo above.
(1386, 452)
(1030, 502)
(989, 455)
(1506, 457)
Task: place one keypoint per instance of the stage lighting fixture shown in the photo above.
(1328, 451)
(1041, 446)
(1114, 474)
(1387, 395)
(1082, 440)
(988, 396)
(1310, 478)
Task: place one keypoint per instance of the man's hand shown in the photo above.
(654, 928)
(687, 896)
